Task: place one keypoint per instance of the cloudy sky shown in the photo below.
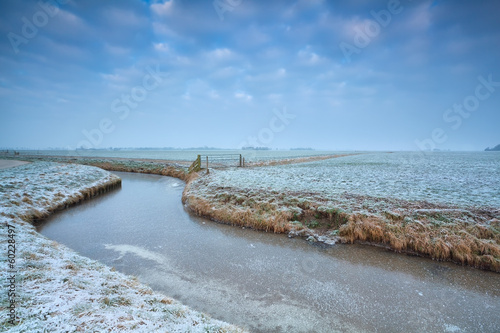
(340, 75)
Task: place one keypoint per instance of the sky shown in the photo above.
(330, 75)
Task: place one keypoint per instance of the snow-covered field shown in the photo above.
(463, 179)
(179, 155)
(53, 288)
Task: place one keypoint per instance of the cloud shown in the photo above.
(252, 37)
(263, 54)
(68, 24)
(243, 96)
(161, 47)
(226, 72)
(119, 17)
(163, 9)
(268, 76)
(199, 89)
(162, 29)
(220, 54)
(308, 57)
(419, 18)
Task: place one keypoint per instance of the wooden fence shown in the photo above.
(217, 161)
(7, 152)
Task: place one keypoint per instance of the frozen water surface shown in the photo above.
(267, 282)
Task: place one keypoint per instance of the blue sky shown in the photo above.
(340, 75)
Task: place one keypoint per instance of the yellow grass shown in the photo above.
(478, 248)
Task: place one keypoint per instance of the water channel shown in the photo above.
(271, 283)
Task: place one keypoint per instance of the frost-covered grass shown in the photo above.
(35, 190)
(58, 290)
(462, 179)
(444, 206)
(176, 155)
(176, 169)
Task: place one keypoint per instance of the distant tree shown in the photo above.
(496, 148)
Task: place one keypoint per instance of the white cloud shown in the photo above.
(198, 88)
(267, 76)
(308, 56)
(420, 18)
(161, 47)
(70, 20)
(118, 17)
(162, 29)
(243, 96)
(122, 78)
(163, 9)
(348, 29)
(220, 54)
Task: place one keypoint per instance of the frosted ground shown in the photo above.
(59, 290)
(179, 155)
(461, 179)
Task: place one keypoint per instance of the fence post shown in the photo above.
(207, 163)
(240, 161)
(243, 162)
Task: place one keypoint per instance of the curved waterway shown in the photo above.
(267, 282)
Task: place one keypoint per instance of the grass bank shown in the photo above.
(177, 169)
(467, 236)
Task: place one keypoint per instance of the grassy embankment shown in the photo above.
(177, 169)
(465, 236)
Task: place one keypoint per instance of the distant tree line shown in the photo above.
(496, 148)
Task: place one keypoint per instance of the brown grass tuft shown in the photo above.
(451, 242)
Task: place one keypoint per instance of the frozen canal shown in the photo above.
(267, 282)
